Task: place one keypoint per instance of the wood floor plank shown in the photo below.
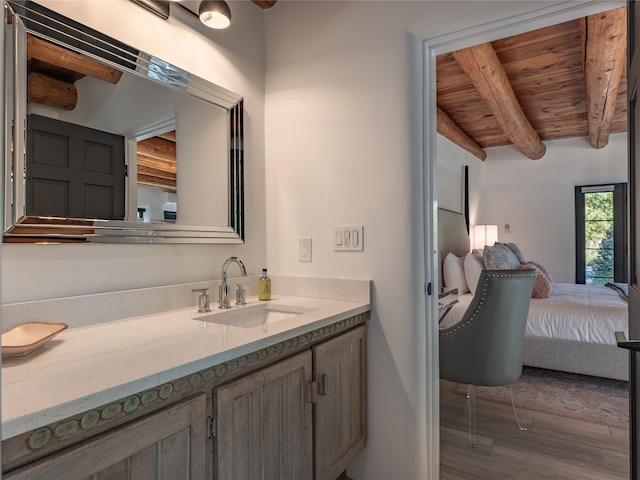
(553, 447)
(622, 433)
(617, 462)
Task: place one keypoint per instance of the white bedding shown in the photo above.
(586, 313)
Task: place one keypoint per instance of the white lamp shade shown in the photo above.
(484, 235)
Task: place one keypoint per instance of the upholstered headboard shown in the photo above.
(452, 236)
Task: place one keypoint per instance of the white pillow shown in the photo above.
(453, 273)
(473, 266)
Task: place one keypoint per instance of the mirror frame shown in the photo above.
(22, 17)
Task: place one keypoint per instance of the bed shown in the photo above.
(572, 330)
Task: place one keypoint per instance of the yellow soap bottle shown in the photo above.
(264, 286)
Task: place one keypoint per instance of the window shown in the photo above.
(601, 234)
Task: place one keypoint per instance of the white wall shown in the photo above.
(232, 58)
(343, 131)
(536, 197)
(451, 161)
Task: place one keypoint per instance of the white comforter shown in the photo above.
(586, 313)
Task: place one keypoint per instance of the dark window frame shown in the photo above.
(620, 249)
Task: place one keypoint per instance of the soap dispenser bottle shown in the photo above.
(264, 286)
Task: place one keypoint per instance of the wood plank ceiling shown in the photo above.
(563, 81)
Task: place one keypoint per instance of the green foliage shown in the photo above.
(598, 209)
(599, 237)
(603, 261)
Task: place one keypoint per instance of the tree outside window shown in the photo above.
(598, 237)
(601, 234)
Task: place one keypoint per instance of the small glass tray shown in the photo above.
(28, 337)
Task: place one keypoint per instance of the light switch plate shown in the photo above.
(348, 238)
(304, 250)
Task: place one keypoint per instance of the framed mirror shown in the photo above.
(106, 143)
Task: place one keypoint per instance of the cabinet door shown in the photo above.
(166, 445)
(264, 426)
(340, 419)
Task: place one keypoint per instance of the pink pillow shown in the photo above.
(542, 287)
(542, 269)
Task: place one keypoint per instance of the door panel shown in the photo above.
(74, 171)
(264, 424)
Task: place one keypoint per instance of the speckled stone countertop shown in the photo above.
(88, 366)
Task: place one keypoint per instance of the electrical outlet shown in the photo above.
(304, 249)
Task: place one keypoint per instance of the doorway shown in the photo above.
(432, 48)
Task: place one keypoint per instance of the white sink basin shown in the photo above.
(250, 316)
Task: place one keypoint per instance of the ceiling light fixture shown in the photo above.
(215, 13)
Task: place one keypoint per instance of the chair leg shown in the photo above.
(471, 395)
(515, 410)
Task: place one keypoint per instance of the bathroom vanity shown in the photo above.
(142, 385)
(277, 387)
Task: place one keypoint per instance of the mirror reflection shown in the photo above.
(122, 142)
(156, 179)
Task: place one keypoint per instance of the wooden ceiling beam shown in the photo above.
(605, 57)
(50, 91)
(448, 129)
(483, 67)
(265, 4)
(64, 58)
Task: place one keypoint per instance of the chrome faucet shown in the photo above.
(203, 299)
(224, 288)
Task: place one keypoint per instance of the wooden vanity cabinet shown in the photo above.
(295, 410)
(167, 444)
(340, 408)
(264, 423)
(308, 410)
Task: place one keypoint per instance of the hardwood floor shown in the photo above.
(553, 447)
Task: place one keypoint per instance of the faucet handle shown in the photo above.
(241, 294)
(203, 299)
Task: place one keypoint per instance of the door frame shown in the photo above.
(431, 47)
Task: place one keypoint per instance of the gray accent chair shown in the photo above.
(485, 346)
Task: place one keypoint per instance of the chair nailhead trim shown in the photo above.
(485, 286)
